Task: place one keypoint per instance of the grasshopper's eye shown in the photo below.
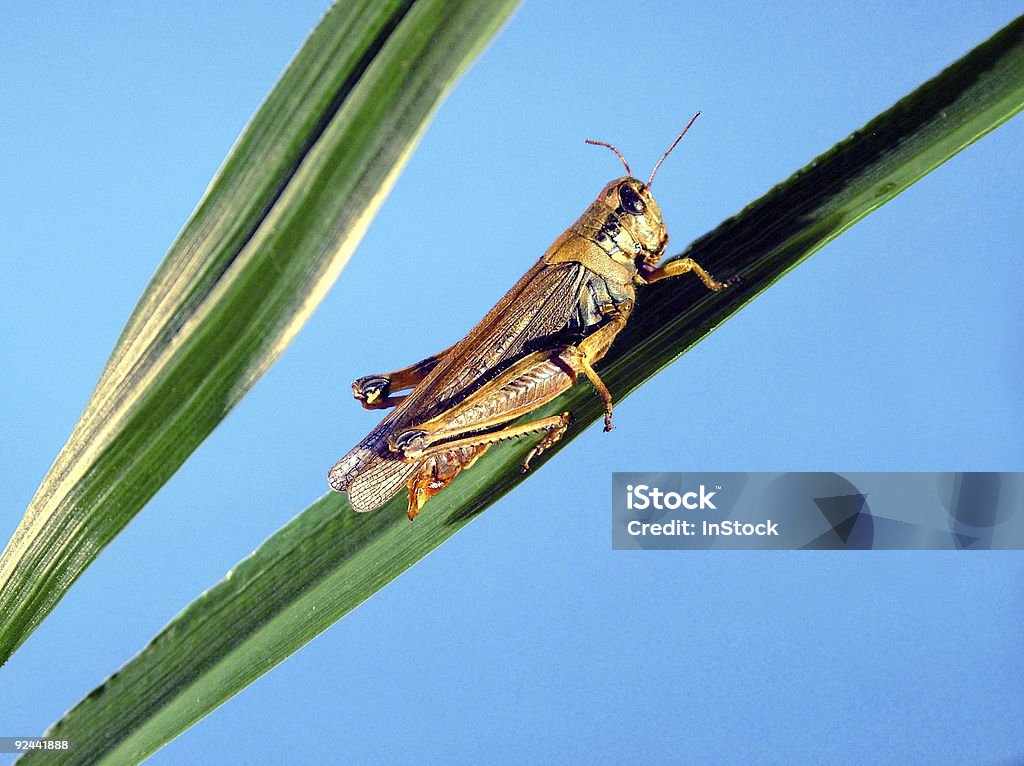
(630, 200)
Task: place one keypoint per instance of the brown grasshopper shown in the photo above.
(557, 321)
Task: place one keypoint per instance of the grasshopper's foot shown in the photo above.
(550, 438)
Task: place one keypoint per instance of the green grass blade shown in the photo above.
(329, 559)
(266, 242)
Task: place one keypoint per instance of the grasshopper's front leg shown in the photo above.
(374, 392)
(681, 266)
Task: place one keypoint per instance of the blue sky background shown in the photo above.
(525, 637)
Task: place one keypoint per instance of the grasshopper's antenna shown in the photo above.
(617, 153)
(669, 150)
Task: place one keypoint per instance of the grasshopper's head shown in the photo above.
(635, 210)
(639, 215)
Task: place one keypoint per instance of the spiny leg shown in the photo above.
(374, 391)
(682, 266)
(531, 382)
(414, 448)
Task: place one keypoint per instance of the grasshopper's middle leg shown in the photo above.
(594, 347)
(374, 392)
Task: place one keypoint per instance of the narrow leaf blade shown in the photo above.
(266, 242)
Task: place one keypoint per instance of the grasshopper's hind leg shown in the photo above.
(413, 444)
(487, 414)
(374, 392)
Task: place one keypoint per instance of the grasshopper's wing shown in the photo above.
(535, 314)
(371, 473)
(548, 300)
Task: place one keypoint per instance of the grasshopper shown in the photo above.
(551, 327)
